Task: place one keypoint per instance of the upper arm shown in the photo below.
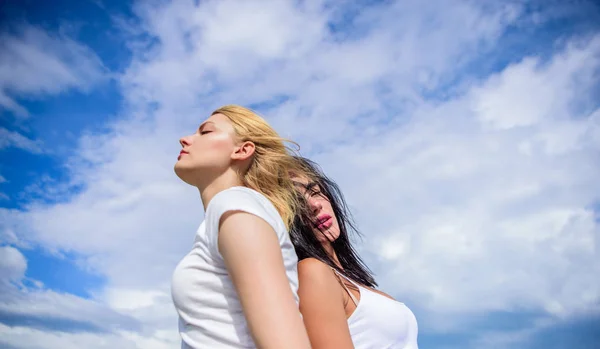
(322, 306)
(252, 254)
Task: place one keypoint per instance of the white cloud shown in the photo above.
(46, 309)
(476, 214)
(34, 63)
(476, 199)
(17, 140)
(12, 265)
(11, 221)
(41, 318)
(26, 337)
(530, 92)
(125, 299)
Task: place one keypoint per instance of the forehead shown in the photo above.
(303, 183)
(300, 180)
(219, 120)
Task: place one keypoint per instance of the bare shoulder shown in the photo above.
(322, 305)
(316, 273)
(313, 265)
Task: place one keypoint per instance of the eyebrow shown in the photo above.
(307, 186)
(204, 123)
(311, 185)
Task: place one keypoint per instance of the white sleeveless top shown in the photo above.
(379, 322)
(210, 313)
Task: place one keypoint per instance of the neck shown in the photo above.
(225, 181)
(328, 246)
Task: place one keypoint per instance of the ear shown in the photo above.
(244, 151)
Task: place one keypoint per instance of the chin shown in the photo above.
(326, 237)
(183, 173)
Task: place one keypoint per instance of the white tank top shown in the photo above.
(379, 322)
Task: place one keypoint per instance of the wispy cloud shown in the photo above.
(34, 63)
(17, 140)
(2, 195)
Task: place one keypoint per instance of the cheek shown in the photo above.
(323, 236)
(335, 225)
(216, 150)
(334, 230)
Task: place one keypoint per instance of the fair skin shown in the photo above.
(324, 302)
(211, 159)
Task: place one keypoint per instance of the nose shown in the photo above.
(184, 141)
(315, 205)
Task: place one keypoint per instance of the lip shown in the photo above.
(324, 221)
(181, 153)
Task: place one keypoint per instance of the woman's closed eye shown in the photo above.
(314, 192)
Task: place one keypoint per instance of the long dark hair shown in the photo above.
(303, 236)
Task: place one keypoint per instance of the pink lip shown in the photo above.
(324, 221)
(181, 153)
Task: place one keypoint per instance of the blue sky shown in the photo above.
(471, 128)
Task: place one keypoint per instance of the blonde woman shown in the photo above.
(237, 288)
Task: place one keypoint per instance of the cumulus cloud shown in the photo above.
(27, 302)
(532, 91)
(476, 210)
(474, 191)
(12, 264)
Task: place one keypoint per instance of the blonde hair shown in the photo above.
(269, 171)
